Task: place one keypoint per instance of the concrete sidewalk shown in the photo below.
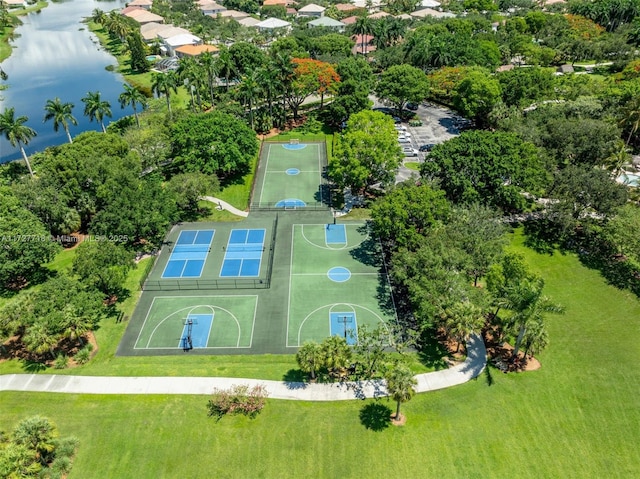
(461, 373)
(226, 206)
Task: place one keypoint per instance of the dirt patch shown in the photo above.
(400, 421)
(501, 355)
(13, 348)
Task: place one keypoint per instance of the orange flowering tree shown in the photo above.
(310, 77)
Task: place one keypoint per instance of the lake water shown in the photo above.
(56, 56)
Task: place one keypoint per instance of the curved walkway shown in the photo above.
(225, 206)
(461, 373)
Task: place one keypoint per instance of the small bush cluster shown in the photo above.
(239, 399)
(83, 356)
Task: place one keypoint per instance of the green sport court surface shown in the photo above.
(336, 283)
(290, 175)
(217, 321)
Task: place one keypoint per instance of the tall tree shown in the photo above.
(164, 84)
(96, 108)
(366, 153)
(210, 66)
(190, 72)
(249, 89)
(400, 84)
(462, 320)
(103, 265)
(529, 306)
(400, 385)
(134, 97)
(61, 114)
(363, 27)
(138, 58)
(16, 132)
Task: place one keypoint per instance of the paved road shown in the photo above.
(459, 374)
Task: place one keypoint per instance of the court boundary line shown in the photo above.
(345, 247)
(213, 315)
(253, 324)
(330, 305)
(266, 166)
(264, 238)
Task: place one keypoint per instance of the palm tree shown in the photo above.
(208, 62)
(16, 132)
(98, 16)
(363, 26)
(619, 157)
(225, 65)
(528, 305)
(61, 114)
(38, 434)
(117, 24)
(310, 358)
(463, 319)
(336, 353)
(38, 339)
(400, 383)
(631, 117)
(248, 90)
(96, 108)
(284, 70)
(163, 84)
(190, 72)
(132, 96)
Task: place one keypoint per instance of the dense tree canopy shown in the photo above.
(366, 153)
(490, 168)
(212, 143)
(401, 84)
(25, 243)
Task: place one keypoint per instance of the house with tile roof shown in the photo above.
(142, 16)
(195, 50)
(327, 22)
(145, 4)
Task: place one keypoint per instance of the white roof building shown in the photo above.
(311, 10)
(426, 12)
(430, 3)
(272, 23)
(248, 22)
(327, 22)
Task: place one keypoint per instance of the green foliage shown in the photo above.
(25, 244)
(476, 96)
(366, 153)
(400, 385)
(138, 61)
(34, 450)
(61, 361)
(187, 188)
(83, 355)
(493, 169)
(401, 84)
(407, 213)
(523, 86)
(104, 265)
(61, 308)
(212, 143)
(310, 358)
(135, 211)
(239, 399)
(623, 231)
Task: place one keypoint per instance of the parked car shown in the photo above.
(427, 147)
(400, 127)
(404, 133)
(396, 119)
(404, 139)
(406, 151)
(412, 106)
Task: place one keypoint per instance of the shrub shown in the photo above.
(83, 356)
(239, 399)
(61, 361)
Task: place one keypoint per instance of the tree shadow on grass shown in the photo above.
(32, 366)
(375, 416)
(432, 353)
(295, 379)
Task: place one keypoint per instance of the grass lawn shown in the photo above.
(412, 165)
(578, 416)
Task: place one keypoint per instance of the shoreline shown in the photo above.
(6, 49)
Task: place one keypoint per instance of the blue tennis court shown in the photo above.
(344, 324)
(243, 254)
(200, 330)
(335, 234)
(189, 254)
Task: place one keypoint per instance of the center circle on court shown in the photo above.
(292, 171)
(339, 274)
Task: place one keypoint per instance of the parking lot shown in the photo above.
(439, 124)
